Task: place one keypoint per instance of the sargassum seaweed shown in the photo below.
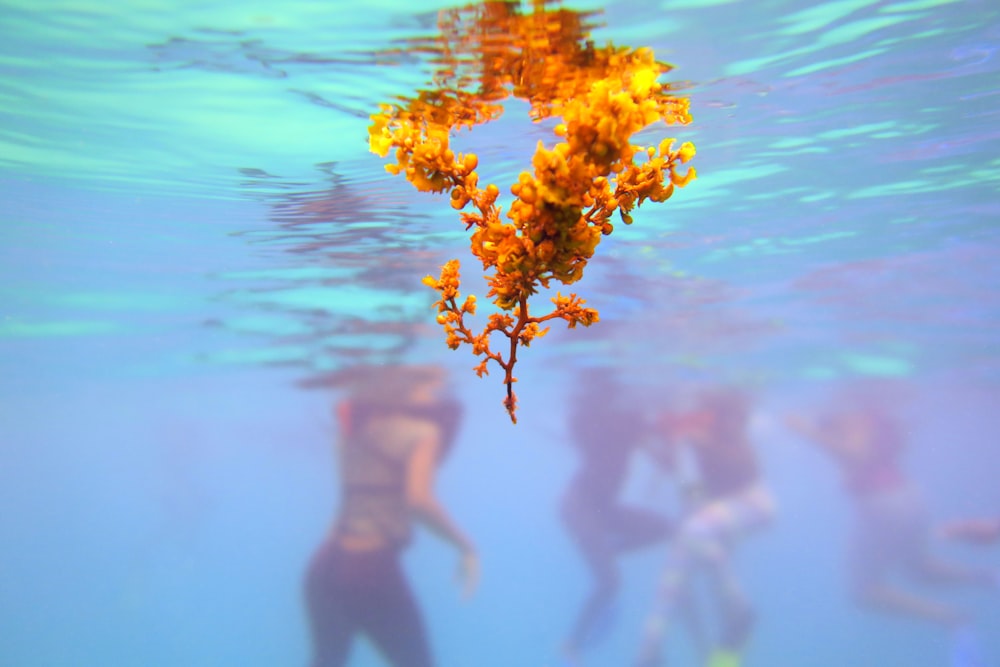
(601, 97)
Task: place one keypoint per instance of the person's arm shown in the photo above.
(981, 531)
(425, 506)
(895, 600)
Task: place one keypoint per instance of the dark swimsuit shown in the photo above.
(350, 593)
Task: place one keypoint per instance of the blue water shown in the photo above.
(191, 226)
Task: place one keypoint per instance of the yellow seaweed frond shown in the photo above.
(562, 207)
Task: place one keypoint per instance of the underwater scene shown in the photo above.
(505, 334)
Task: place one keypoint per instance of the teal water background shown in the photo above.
(191, 225)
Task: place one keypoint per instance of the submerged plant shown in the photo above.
(561, 210)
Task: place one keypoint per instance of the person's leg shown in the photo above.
(328, 605)
(592, 535)
(754, 510)
(672, 590)
(390, 616)
(712, 538)
(637, 528)
(712, 541)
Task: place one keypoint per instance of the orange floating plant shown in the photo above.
(561, 210)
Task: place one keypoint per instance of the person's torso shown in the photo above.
(604, 440)
(374, 459)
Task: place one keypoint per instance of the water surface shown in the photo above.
(193, 227)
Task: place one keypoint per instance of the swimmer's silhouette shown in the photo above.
(394, 432)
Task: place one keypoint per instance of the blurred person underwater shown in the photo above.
(395, 431)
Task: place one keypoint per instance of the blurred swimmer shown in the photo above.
(394, 432)
(892, 530)
(606, 430)
(729, 503)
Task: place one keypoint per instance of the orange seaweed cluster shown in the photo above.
(561, 210)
